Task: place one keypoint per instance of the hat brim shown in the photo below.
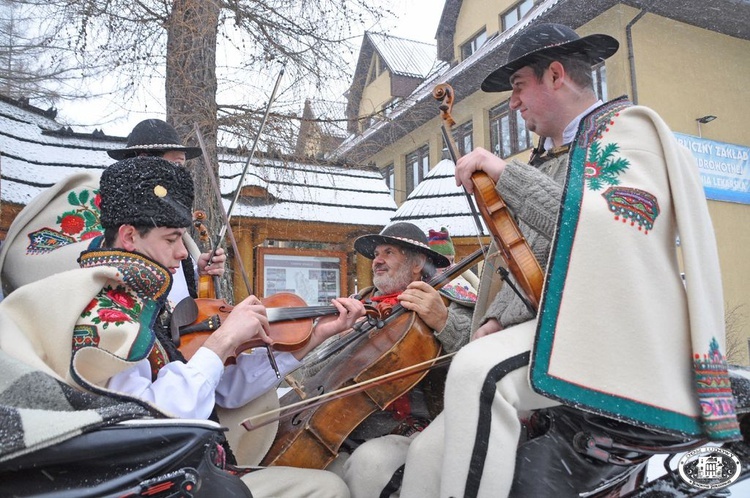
(120, 154)
(366, 244)
(596, 48)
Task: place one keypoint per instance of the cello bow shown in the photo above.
(510, 241)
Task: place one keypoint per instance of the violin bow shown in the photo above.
(236, 196)
(256, 421)
(225, 218)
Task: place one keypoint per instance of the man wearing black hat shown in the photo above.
(50, 232)
(617, 333)
(118, 339)
(402, 262)
(156, 138)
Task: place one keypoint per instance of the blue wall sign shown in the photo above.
(724, 168)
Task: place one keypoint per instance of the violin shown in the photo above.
(291, 322)
(510, 241)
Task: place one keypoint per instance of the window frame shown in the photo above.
(517, 10)
(389, 175)
(471, 46)
(599, 75)
(420, 157)
(518, 136)
(461, 133)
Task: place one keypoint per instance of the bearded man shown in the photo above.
(402, 263)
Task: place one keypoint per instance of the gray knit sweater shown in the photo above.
(533, 195)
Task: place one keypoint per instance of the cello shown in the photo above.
(312, 438)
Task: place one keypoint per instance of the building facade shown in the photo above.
(684, 60)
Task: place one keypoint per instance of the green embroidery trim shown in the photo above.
(563, 390)
(84, 336)
(602, 168)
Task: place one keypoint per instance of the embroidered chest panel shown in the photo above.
(603, 166)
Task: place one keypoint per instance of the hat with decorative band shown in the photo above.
(402, 234)
(153, 136)
(548, 41)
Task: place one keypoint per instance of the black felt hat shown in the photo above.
(146, 192)
(153, 136)
(548, 41)
(401, 234)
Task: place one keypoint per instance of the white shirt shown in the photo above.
(569, 133)
(190, 390)
(179, 290)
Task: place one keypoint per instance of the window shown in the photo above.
(462, 137)
(376, 68)
(389, 175)
(599, 73)
(473, 45)
(508, 133)
(417, 167)
(512, 16)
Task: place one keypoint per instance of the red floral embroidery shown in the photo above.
(98, 200)
(110, 316)
(90, 306)
(90, 235)
(120, 297)
(72, 224)
(591, 170)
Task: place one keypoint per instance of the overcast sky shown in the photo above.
(416, 20)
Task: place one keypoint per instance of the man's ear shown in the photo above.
(126, 236)
(419, 263)
(557, 71)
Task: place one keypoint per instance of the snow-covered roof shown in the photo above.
(295, 191)
(437, 202)
(36, 152)
(405, 57)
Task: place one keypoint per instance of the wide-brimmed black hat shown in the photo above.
(548, 41)
(146, 192)
(401, 234)
(153, 136)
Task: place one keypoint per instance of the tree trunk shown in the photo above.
(191, 97)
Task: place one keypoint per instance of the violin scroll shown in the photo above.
(444, 93)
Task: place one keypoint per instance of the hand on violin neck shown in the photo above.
(349, 312)
(216, 268)
(247, 321)
(426, 302)
(478, 159)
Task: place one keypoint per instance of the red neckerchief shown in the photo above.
(390, 299)
(384, 303)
